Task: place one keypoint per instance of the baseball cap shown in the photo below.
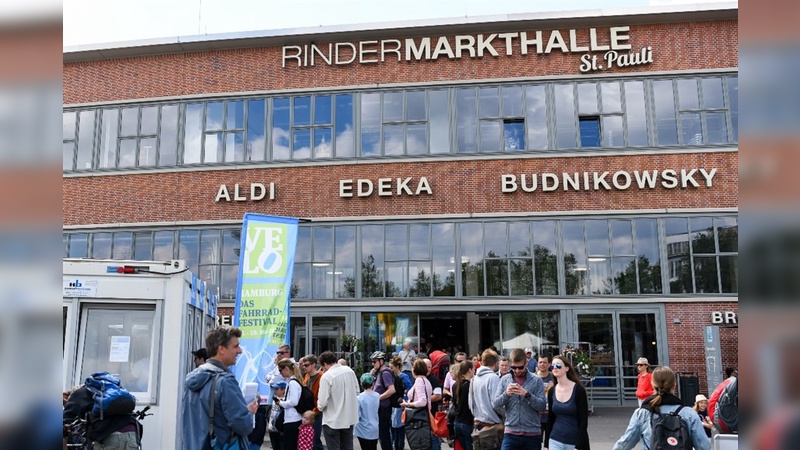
(278, 385)
(201, 353)
(529, 350)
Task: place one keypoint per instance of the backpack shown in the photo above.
(110, 399)
(440, 364)
(399, 391)
(726, 414)
(669, 432)
(306, 401)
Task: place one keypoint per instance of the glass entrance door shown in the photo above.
(317, 333)
(615, 340)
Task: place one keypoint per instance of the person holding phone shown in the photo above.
(521, 394)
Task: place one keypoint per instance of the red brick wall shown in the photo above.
(459, 187)
(676, 46)
(685, 340)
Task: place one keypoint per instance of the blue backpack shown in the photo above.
(109, 397)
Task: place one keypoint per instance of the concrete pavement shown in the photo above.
(606, 425)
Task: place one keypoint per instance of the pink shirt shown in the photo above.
(420, 393)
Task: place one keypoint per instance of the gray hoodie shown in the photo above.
(522, 414)
(230, 410)
(483, 390)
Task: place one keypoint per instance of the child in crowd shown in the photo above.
(366, 429)
(275, 436)
(305, 437)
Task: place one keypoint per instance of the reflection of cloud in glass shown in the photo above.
(302, 152)
(280, 143)
(345, 142)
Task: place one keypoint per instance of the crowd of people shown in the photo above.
(491, 402)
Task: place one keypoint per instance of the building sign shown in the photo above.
(724, 318)
(620, 180)
(257, 191)
(384, 187)
(618, 51)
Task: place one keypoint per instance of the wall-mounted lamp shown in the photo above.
(676, 321)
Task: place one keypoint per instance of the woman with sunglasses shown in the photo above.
(644, 385)
(568, 424)
(292, 418)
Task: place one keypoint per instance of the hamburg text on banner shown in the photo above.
(266, 262)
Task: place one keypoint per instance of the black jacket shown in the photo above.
(80, 403)
(582, 403)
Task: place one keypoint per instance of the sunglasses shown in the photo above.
(556, 366)
(640, 365)
(307, 364)
(517, 367)
(281, 353)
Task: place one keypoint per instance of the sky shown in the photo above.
(104, 21)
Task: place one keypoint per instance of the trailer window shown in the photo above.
(120, 342)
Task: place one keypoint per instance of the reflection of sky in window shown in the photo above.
(214, 115)
(416, 139)
(322, 143)
(188, 247)
(716, 128)
(396, 242)
(149, 125)
(536, 117)
(489, 102)
(439, 120)
(130, 122)
(235, 118)
(612, 131)
(519, 238)
(597, 236)
(370, 124)
(443, 242)
(609, 93)
(691, 130)
(372, 242)
(415, 105)
(280, 128)
(393, 106)
(665, 112)
(472, 241)
(344, 125)
(255, 130)
(419, 241)
(466, 120)
(163, 245)
(127, 153)
(303, 247)
(733, 103)
(101, 245)
(647, 239)
(209, 246)
(108, 138)
(122, 245)
(323, 243)
(621, 237)
(393, 139)
(345, 247)
(193, 133)
(512, 101)
(712, 93)
(565, 116)
(168, 151)
(212, 152)
(544, 234)
(572, 234)
(69, 124)
(490, 136)
(587, 98)
(635, 113)
(322, 110)
(687, 94)
(496, 240)
(302, 111)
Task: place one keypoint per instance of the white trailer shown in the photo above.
(139, 320)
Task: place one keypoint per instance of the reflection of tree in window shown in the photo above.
(421, 285)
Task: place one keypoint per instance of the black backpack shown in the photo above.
(669, 432)
(306, 402)
(399, 391)
(727, 411)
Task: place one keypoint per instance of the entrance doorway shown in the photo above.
(443, 331)
(615, 340)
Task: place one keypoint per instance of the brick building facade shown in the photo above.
(164, 141)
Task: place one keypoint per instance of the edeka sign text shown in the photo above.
(615, 45)
(384, 187)
(620, 180)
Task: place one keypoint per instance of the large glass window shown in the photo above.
(600, 256)
(120, 341)
(689, 111)
(537, 330)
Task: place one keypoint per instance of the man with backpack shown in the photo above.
(384, 386)
(212, 396)
(663, 423)
(723, 406)
(110, 426)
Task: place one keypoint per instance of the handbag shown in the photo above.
(488, 438)
(439, 425)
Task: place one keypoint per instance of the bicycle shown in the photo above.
(75, 432)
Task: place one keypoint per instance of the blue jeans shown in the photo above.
(514, 442)
(399, 438)
(436, 442)
(464, 435)
(555, 445)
